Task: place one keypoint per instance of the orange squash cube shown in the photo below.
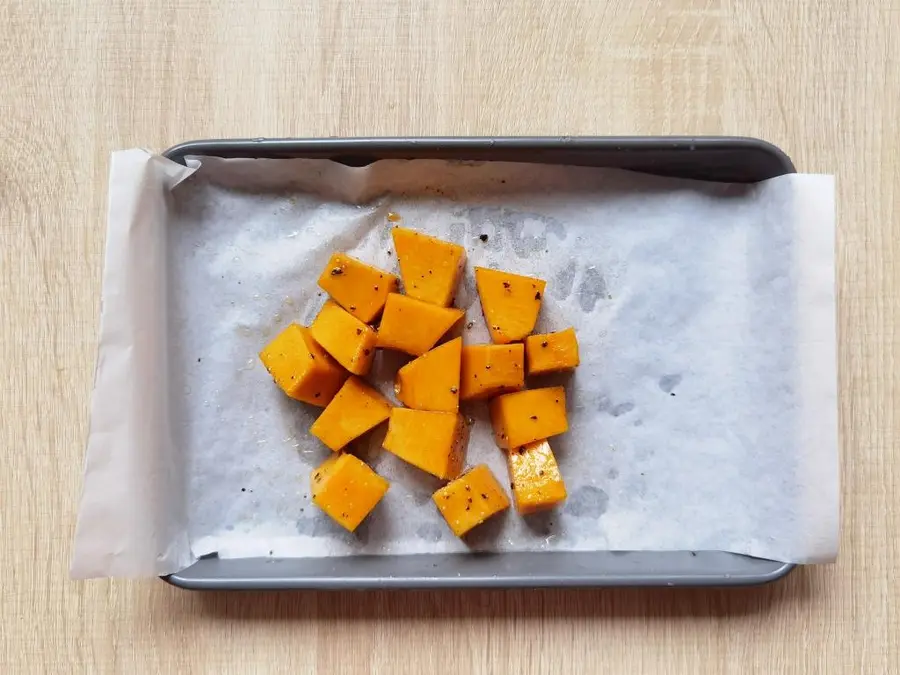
(346, 338)
(432, 441)
(552, 352)
(302, 369)
(488, 370)
(412, 326)
(356, 409)
(535, 478)
(359, 288)
(526, 416)
(346, 489)
(470, 499)
(431, 382)
(510, 302)
(430, 267)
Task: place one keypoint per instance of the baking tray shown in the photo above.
(721, 159)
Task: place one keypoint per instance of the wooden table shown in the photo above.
(81, 78)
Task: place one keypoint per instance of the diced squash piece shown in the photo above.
(412, 326)
(534, 477)
(355, 409)
(359, 288)
(470, 499)
(346, 489)
(432, 441)
(301, 368)
(552, 352)
(346, 338)
(510, 303)
(430, 267)
(431, 382)
(488, 370)
(526, 416)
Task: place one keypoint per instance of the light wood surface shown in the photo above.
(79, 78)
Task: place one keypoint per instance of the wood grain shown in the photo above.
(83, 77)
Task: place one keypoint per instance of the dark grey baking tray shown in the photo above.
(731, 160)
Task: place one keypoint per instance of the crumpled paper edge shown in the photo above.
(132, 520)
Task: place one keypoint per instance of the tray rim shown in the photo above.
(261, 147)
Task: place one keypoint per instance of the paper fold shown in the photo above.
(132, 520)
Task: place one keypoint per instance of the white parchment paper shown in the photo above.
(703, 416)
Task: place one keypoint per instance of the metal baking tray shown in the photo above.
(721, 159)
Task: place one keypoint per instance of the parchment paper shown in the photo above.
(703, 415)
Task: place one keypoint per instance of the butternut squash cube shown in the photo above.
(430, 267)
(470, 499)
(346, 489)
(526, 416)
(355, 409)
(488, 370)
(510, 303)
(302, 369)
(346, 338)
(552, 352)
(535, 478)
(432, 441)
(359, 288)
(412, 326)
(431, 382)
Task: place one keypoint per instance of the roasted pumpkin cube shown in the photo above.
(431, 382)
(510, 303)
(301, 367)
(412, 326)
(470, 499)
(534, 477)
(346, 338)
(552, 352)
(527, 416)
(346, 489)
(488, 370)
(432, 441)
(430, 267)
(355, 409)
(359, 288)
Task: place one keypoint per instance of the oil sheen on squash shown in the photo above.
(535, 478)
